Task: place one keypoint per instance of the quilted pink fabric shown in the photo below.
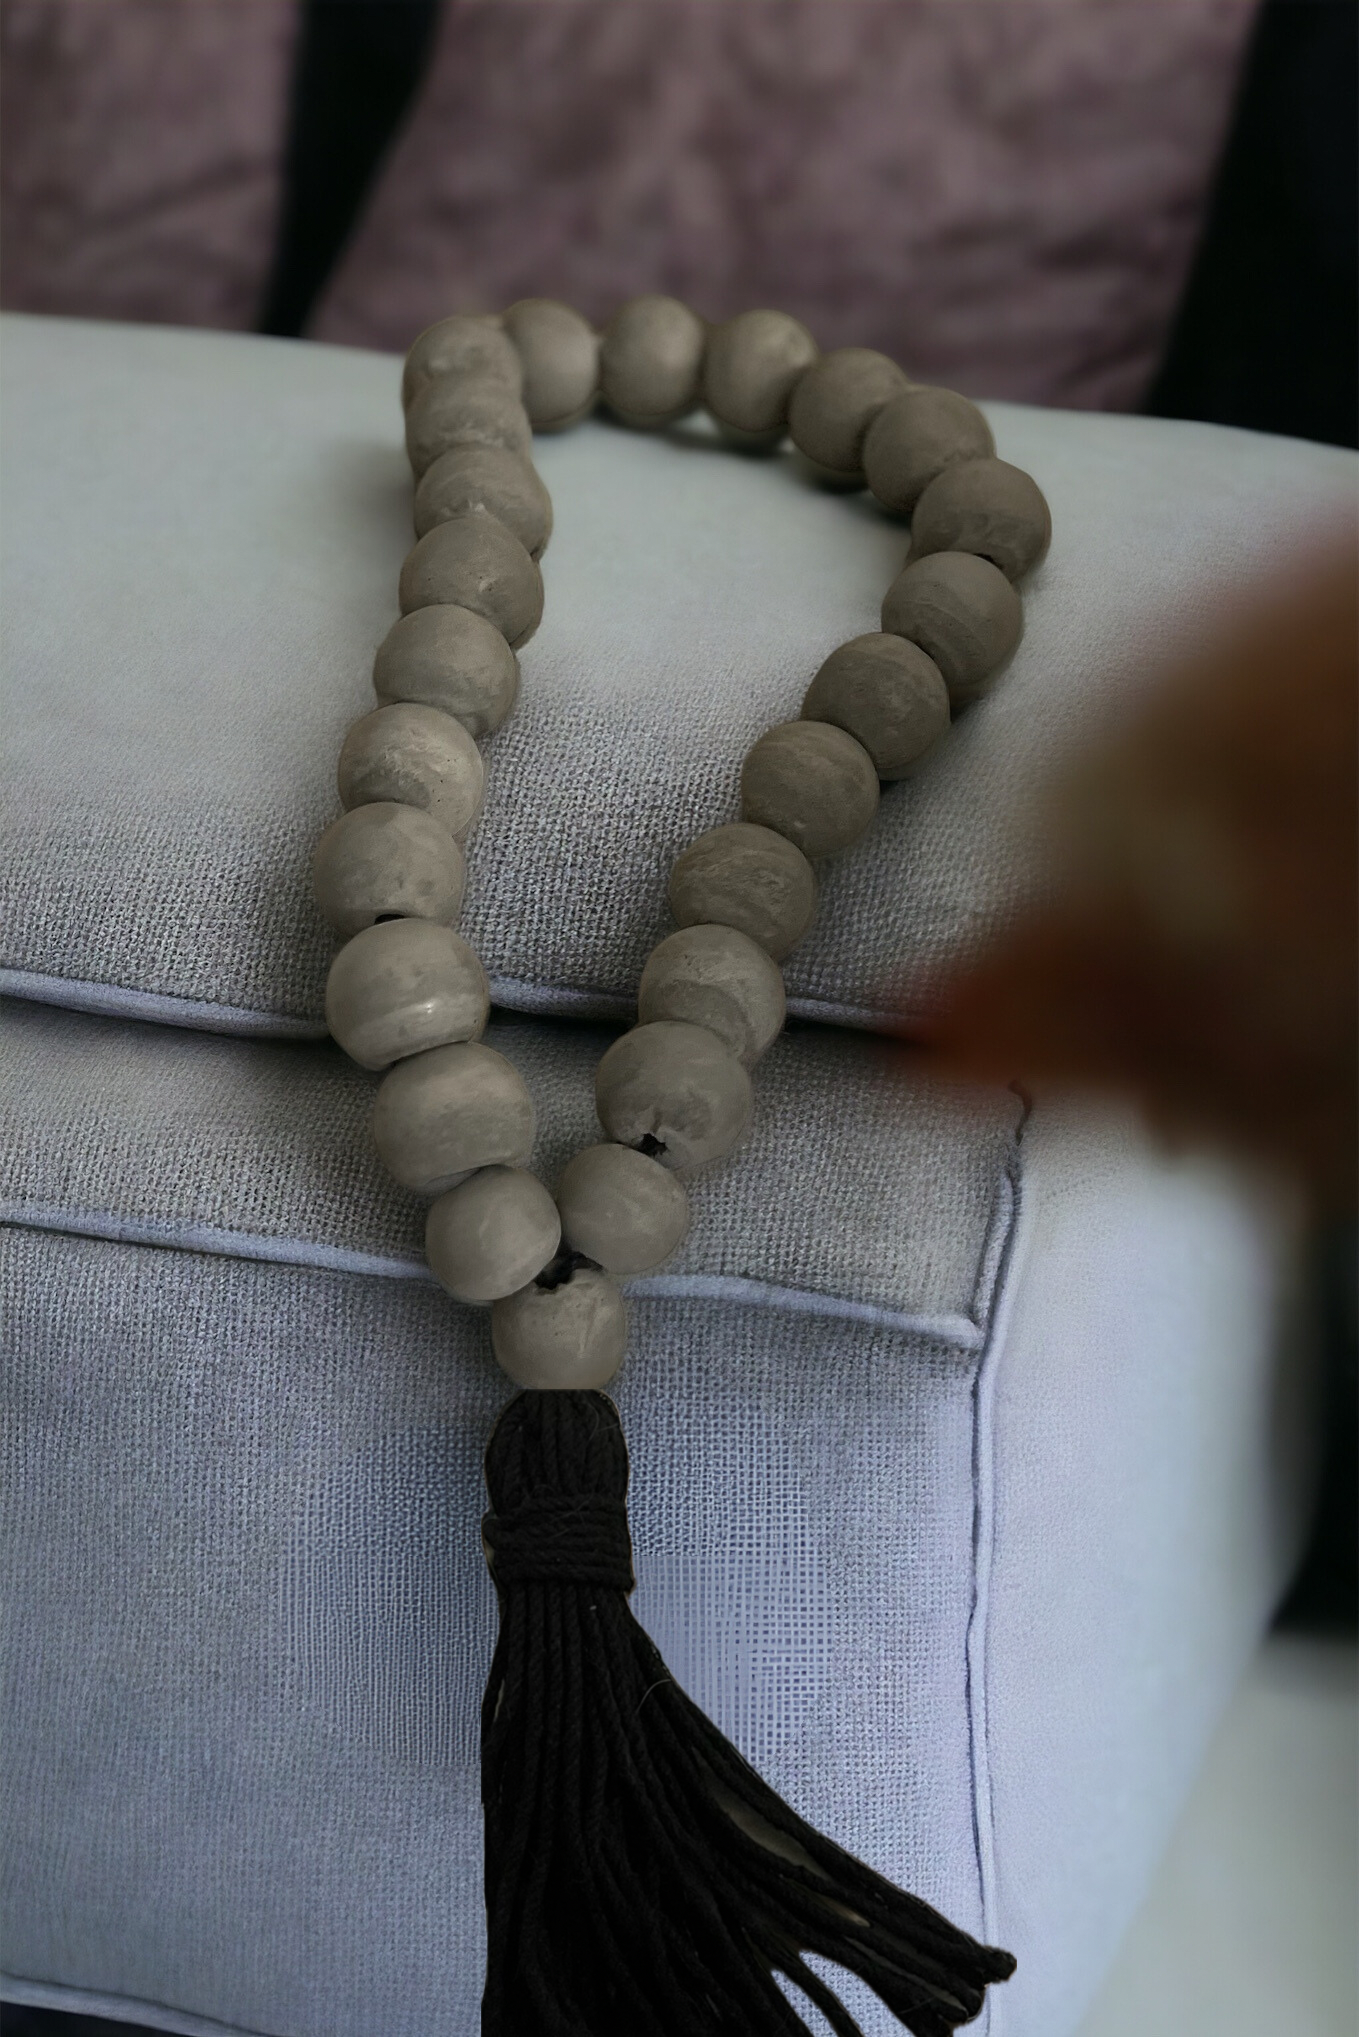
(142, 155)
(1004, 195)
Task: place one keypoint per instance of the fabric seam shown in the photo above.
(959, 1332)
(116, 1000)
(75, 2001)
(1007, 1272)
(508, 993)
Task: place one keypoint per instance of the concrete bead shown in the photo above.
(450, 658)
(404, 986)
(491, 1234)
(678, 1088)
(811, 782)
(917, 435)
(835, 402)
(888, 695)
(414, 754)
(442, 1114)
(621, 1208)
(453, 412)
(386, 860)
(717, 977)
(566, 1338)
(962, 611)
(750, 369)
(489, 478)
(474, 562)
(987, 507)
(559, 351)
(746, 877)
(469, 348)
(651, 361)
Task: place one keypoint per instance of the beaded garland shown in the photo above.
(406, 994)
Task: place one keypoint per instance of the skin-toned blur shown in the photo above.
(1197, 949)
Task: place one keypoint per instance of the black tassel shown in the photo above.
(641, 1880)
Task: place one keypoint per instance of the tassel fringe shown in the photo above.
(641, 1879)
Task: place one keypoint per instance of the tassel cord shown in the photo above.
(776, 1885)
(641, 1877)
(535, 1943)
(761, 1867)
(506, 1852)
(931, 1940)
(821, 1997)
(647, 1937)
(527, 1632)
(593, 1876)
(721, 1865)
(595, 1863)
(668, 1951)
(668, 1810)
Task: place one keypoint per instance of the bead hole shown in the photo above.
(650, 1145)
(559, 1270)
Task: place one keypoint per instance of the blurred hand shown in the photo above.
(1200, 950)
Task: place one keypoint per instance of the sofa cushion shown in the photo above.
(964, 1476)
(203, 539)
(133, 1131)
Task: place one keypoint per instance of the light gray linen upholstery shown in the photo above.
(960, 1492)
(964, 1469)
(265, 1152)
(203, 534)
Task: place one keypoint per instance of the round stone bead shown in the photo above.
(746, 877)
(450, 658)
(401, 987)
(674, 1091)
(496, 1230)
(387, 861)
(962, 611)
(566, 1337)
(452, 412)
(472, 349)
(987, 507)
(504, 484)
(440, 1115)
(887, 694)
(717, 977)
(559, 351)
(917, 435)
(835, 402)
(750, 369)
(812, 782)
(651, 361)
(474, 562)
(414, 754)
(621, 1208)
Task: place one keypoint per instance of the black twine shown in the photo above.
(640, 1876)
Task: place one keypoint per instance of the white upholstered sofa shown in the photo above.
(969, 1459)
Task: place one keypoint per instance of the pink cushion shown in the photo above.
(1005, 197)
(143, 144)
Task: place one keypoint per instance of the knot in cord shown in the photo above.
(562, 1538)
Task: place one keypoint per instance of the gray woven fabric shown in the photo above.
(202, 541)
(974, 1610)
(252, 1611)
(960, 1488)
(858, 1184)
